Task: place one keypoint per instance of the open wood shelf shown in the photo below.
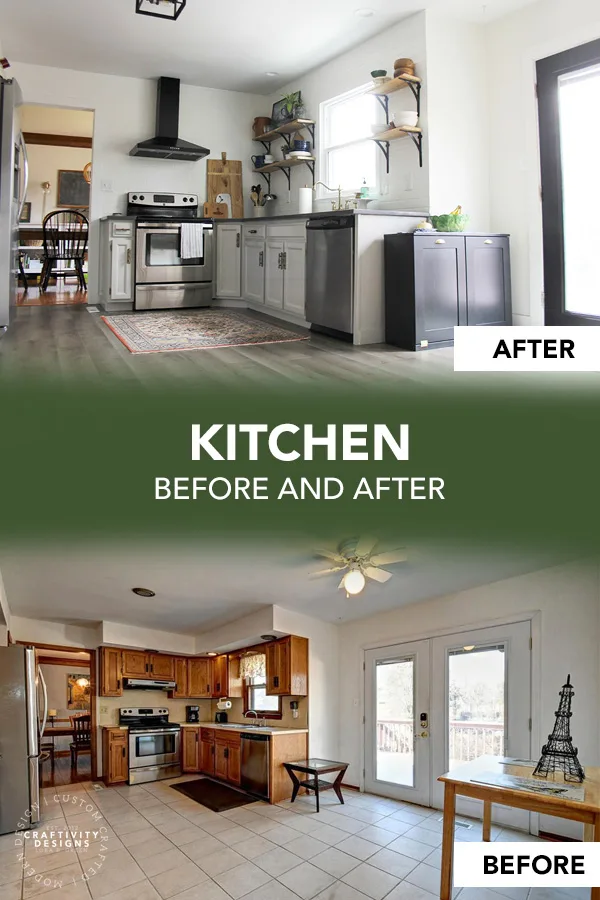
(392, 134)
(288, 128)
(396, 84)
(285, 164)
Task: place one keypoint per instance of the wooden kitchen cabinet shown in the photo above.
(135, 664)
(220, 680)
(181, 679)
(228, 756)
(287, 667)
(200, 679)
(207, 751)
(434, 282)
(229, 259)
(111, 678)
(115, 755)
(161, 666)
(190, 759)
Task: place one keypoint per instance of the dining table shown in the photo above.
(476, 780)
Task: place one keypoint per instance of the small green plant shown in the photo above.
(292, 103)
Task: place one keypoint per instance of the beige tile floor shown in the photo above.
(152, 843)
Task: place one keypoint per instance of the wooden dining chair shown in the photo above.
(65, 236)
(82, 737)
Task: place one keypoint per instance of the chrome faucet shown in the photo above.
(251, 712)
(339, 191)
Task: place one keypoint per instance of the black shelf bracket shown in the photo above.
(384, 99)
(384, 146)
(267, 146)
(417, 139)
(267, 177)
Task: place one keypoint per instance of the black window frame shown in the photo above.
(549, 71)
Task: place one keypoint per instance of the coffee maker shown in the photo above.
(192, 714)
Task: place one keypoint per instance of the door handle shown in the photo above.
(279, 263)
(488, 241)
(440, 241)
(123, 752)
(424, 734)
(276, 681)
(284, 260)
(129, 256)
(237, 240)
(261, 259)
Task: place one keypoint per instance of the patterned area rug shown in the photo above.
(206, 329)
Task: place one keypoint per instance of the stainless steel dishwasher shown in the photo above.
(255, 764)
(330, 273)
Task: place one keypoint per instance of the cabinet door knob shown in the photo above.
(253, 231)
(440, 241)
(488, 241)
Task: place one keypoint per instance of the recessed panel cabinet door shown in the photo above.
(488, 281)
(121, 280)
(221, 753)
(135, 664)
(229, 259)
(220, 676)
(190, 749)
(440, 290)
(181, 678)
(207, 749)
(118, 766)
(274, 274)
(199, 678)
(111, 682)
(162, 667)
(234, 771)
(253, 277)
(294, 277)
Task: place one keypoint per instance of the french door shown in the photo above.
(434, 704)
(568, 87)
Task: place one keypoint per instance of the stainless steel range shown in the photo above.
(174, 251)
(153, 744)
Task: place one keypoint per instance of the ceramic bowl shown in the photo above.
(406, 117)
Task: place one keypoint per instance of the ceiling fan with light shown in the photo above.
(357, 557)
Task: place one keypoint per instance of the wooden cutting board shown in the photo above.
(224, 176)
(216, 210)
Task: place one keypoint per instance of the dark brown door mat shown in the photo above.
(213, 794)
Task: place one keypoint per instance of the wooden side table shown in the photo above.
(463, 781)
(314, 768)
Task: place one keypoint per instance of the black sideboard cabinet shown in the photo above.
(434, 281)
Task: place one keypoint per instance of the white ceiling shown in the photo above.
(222, 45)
(201, 587)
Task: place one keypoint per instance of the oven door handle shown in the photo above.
(154, 731)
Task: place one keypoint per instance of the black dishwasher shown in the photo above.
(330, 274)
(255, 764)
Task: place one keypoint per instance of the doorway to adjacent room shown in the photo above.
(54, 223)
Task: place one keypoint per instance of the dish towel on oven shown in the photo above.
(192, 240)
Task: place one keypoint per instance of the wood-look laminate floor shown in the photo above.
(71, 341)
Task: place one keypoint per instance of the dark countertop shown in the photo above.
(332, 212)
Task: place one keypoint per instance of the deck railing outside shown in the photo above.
(468, 739)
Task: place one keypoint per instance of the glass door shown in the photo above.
(481, 690)
(568, 96)
(435, 704)
(397, 722)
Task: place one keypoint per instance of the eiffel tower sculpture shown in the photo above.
(559, 754)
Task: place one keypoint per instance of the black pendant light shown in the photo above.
(161, 9)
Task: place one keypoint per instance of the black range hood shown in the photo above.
(167, 144)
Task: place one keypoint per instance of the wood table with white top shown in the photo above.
(465, 781)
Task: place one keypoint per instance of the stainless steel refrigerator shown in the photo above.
(23, 713)
(13, 190)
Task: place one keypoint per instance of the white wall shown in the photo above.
(514, 44)
(458, 118)
(323, 669)
(125, 114)
(568, 600)
(38, 631)
(44, 164)
(145, 638)
(406, 187)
